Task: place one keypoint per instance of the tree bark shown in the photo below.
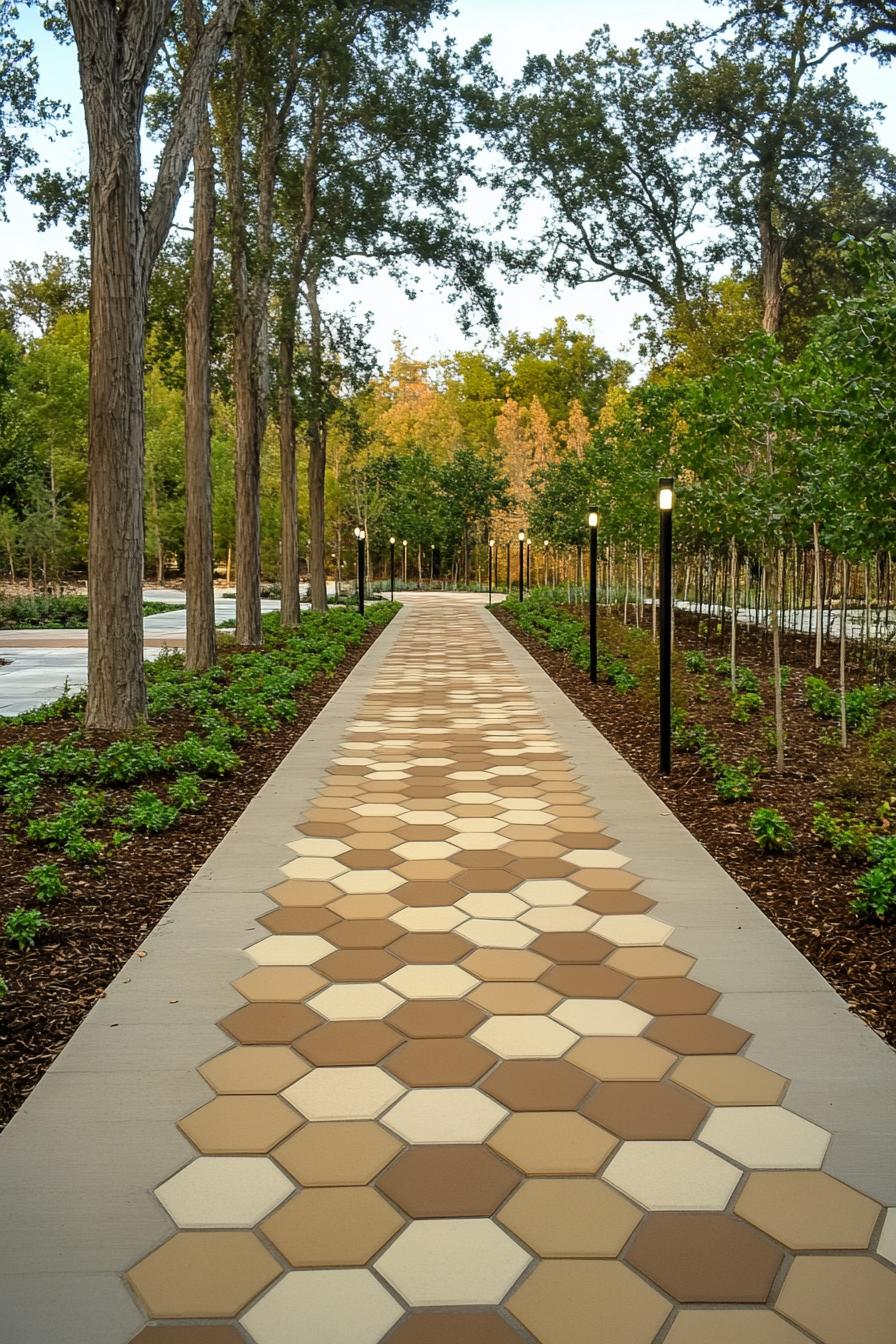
(771, 251)
(199, 564)
(286, 415)
(819, 597)
(774, 586)
(733, 647)
(317, 455)
(844, 584)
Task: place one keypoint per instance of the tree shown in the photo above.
(117, 47)
(560, 366)
(40, 292)
(21, 111)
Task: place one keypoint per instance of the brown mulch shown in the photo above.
(807, 893)
(103, 917)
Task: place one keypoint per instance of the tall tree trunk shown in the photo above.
(317, 455)
(733, 648)
(199, 563)
(844, 583)
(819, 597)
(771, 249)
(247, 482)
(774, 585)
(286, 415)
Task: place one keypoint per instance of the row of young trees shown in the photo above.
(327, 138)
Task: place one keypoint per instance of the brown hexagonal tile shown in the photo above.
(448, 1181)
(339, 1044)
(643, 1110)
(361, 905)
(431, 949)
(427, 870)
(729, 1080)
(644, 963)
(296, 891)
(621, 1058)
(697, 1035)
(357, 964)
(510, 998)
(415, 833)
(446, 1062)
(705, 1257)
(570, 1219)
(202, 1274)
(664, 996)
(436, 1017)
(430, 893)
(576, 948)
(486, 879)
(364, 933)
(538, 1085)
(299, 919)
(328, 830)
(586, 982)
(254, 1069)
(553, 1143)
(498, 963)
(540, 868)
(482, 858)
(808, 1210)
(279, 984)
(448, 1327)
(344, 1225)
(560, 1301)
(337, 1152)
(616, 902)
(841, 1299)
(369, 858)
(269, 1023)
(240, 1124)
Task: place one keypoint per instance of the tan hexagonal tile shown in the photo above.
(203, 1274)
(344, 1225)
(570, 1219)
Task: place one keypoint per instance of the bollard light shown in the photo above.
(391, 569)
(666, 500)
(592, 598)
(491, 561)
(521, 537)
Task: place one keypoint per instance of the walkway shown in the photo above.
(469, 1085)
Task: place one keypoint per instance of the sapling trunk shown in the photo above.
(773, 591)
(819, 597)
(844, 581)
(733, 647)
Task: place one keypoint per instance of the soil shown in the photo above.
(806, 893)
(103, 917)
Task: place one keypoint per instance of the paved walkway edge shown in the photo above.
(80, 1159)
(843, 1075)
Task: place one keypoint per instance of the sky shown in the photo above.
(426, 325)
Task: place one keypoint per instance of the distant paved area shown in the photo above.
(459, 1037)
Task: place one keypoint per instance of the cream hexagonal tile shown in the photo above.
(475, 825)
(339, 1306)
(388, 774)
(429, 919)
(549, 891)
(559, 918)
(671, 1174)
(431, 982)
(470, 774)
(360, 1093)
(521, 816)
(314, 870)
(492, 905)
(452, 1262)
(445, 1115)
(289, 949)
(224, 1191)
(632, 930)
(498, 933)
(359, 1002)
(524, 1036)
(318, 848)
(886, 1246)
(765, 1136)
(596, 858)
(510, 770)
(368, 880)
(426, 849)
(431, 760)
(431, 817)
(468, 797)
(479, 840)
(601, 1017)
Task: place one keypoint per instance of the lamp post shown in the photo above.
(544, 576)
(491, 560)
(592, 598)
(404, 562)
(665, 500)
(508, 569)
(391, 569)
(528, 563)
(522, 538)
(432, 561)
(360, 534)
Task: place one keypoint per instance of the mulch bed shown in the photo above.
(806, 894)
(103, 917)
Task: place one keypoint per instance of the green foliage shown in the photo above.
(128, 760)
(544, 617)
(23, 927)
(771, 831)
(146, 813)
(4, 989)
(862, 703)
(877, 886)
(57, 613)
(746, 681)
(696, 661)
(722, 668)
(849, 838)
(744, 706)
(186, 792)
(733, 784)
(47, 881)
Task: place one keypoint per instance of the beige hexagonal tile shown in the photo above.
(671, 1174)
(313, 870)
(369, 881)
(431, 982)
(345, 1306)
(452, 1262)
(523, 1036)
(765, 1136)
(360, 1093)
(549, 892)
(553, 1143)
(560, 1301)
(498, 933)
(632, 930)
(289, 949)
(224, 1191)
(444, 1115)
(601, 1017)
(358, 1002)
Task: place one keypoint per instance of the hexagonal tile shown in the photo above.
(498, 933)
(357, 965)
(694, 1034)
(364, 933)
(480, 842)
(341, 1043)
(368, 881)
(596, 858)
(675, 995)
(672, 1175)
(745, 1325)
(886, 1245)
(342, 1226)
(365, 906)
(548, 892)
(570, 1219)
(765, 1136)
(332, 1304)
(580, 949)
(279, 984)
(586, 982)
(511, 997)
(704, 1257)
(296, 894)
(729, 1080)
(424, 817)
(451, 1262)
(224, 1192)
(269, 1023)
(621, 1058)
(501, 963)
(601, 1017)
(553, 1143)
(492, 905)
(808, 1210)
(253, 1069)
(524, 1036)
(642, 1110)
(360, 1093)
(337, 1152)
(474, 825)
(298, 919)
(315, 847)
(433, 949)
(448, 1181)
(538, 1085)
(632, 930)
(447, 1327)
(647, 962)
(239, 1124)
(561, 1300)
(431, 982)
(427, 894)
(841, 1298)
(445, 1115)
(188, 1334)
(203, 1274)
(346, 1002)
(429, 919)
(559, 918)
(440, 1063)
(313, 870)
(425, 849)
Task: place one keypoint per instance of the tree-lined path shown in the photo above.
(459, 1035)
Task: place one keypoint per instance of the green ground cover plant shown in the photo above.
(771, 831)
(59, 613)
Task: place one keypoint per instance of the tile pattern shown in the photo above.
(472, 1093)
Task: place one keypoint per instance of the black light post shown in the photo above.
(404, 562)
(432, 562)
(508, 568)
(666, 499)
(391, 569)
(592, 599)
(491, 558)
(544, 576)
(522, 539)
(528, 563)
(360, 534)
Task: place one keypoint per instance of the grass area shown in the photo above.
(69, 801)
(58, 613)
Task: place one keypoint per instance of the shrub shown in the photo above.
(849, 839)
(746, 681)
(46, 879)
(733, 784)
(23, 927)
(722, 667)
(186, 793)
(771, 831)
(146, 813)
(877, 887)
(126, 761)
(743, 707)
(696, 662)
